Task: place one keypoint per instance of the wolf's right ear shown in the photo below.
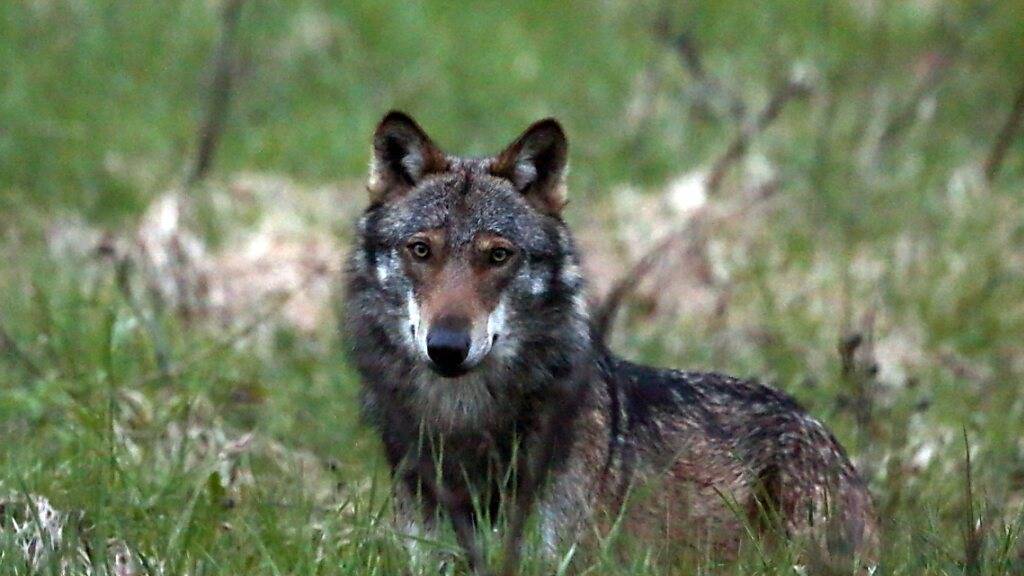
(402, 155)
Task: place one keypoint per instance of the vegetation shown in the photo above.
(864, 250)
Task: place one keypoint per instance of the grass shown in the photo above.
(247, 455)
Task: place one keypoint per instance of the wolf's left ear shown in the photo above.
(535, 164)
(402, 155)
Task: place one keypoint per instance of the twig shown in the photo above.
(738, 147)
(604, 314)
(694, 228)
(927, 84)
(9, 346)
(161, 353)
(606, 311)
(692, 60)
(1005, 138)
(973, 537)
(859, 371)
(274, 307)
(219, 95)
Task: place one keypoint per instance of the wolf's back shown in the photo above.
(732, 439)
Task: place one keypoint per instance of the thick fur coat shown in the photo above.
(466, 317)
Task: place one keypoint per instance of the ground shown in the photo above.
(176, 399)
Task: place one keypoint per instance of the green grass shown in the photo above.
(900, 240)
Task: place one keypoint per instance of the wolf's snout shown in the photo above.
(448, 347)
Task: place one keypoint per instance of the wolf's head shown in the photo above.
(464, 264)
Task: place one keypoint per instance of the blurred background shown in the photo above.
(826, 195)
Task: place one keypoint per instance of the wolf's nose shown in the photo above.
(448, 349)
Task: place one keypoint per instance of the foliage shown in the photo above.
(881, 227)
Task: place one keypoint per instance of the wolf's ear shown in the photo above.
(535, 164)
(402, 155)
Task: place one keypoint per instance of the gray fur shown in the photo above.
(589, 435)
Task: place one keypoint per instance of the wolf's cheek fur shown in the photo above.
(386, 266)
(500, 333)
(411, 328)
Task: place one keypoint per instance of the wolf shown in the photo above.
(465, 314)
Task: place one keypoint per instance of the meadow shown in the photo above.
(828, 196)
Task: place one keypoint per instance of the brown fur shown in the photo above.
(539, 417)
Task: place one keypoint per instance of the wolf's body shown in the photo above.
(466, 317)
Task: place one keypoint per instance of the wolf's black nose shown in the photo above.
(448, 348)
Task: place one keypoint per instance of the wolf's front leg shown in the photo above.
(559, 482)
(563, 512)
(416, 526)
(569, 498)
(418, 500)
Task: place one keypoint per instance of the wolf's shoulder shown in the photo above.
(712, 399)
(655, 384)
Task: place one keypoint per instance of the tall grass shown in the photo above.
(883, 234)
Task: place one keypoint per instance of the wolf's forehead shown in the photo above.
(463, 209)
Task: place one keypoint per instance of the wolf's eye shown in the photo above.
(419, 250)
(499, 256)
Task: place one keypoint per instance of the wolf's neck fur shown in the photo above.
(506, 391)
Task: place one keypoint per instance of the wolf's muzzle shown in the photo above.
(448, 347)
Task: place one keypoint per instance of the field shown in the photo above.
(827, 196)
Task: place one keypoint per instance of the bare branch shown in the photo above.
(694, 230)
(161, 352)
(219, 96)
(937, 67)
(273, 307)
(604, 314)
(738, 147)
(1005, 138)
(606, 311)
(9, 346)
(709, 87)
(692, 60)
(974, 537)
(859, 370)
